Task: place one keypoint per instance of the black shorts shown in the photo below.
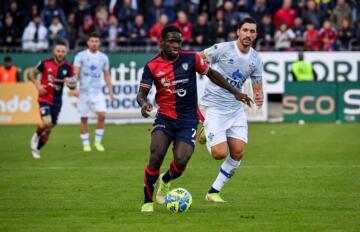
(50, 110)
(177, 130)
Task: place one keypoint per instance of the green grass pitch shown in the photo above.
(293, 178)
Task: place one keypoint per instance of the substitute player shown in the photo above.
(225, 123)
(54, 73)
(91, 67)
(173, 72)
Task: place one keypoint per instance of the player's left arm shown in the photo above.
(257, 84)
(107, 78)
(203, 68)
(258, 90)
(108, 84)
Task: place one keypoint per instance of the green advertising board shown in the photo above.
(122, 65)
(309, 101)
(322, 101)
(349, 101)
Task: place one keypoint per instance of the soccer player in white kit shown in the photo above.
(91, 66)
(225, 122)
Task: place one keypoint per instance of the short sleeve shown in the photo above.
(71, 72)
(147, 78)
(213, 53)
(200, 65)
(106, 63)
(256, 75)
(77, 60)
(40, 66)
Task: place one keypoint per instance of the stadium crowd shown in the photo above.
(315, 25)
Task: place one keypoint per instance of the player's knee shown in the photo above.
(219, 153)
(48, 125)
(101, 116)
(181, 162)
(238, 154)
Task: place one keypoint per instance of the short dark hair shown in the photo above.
(169, 28)
(93, 34)
(247, 20)
(7, 59)
(61, 42)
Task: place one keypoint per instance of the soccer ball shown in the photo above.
(178, 200)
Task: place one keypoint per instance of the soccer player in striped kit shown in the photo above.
(173, 72)
(54, 73)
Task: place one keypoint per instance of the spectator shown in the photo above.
(155, 30)
(34, 10)
(266, 32)
(156, 10)
(357, 32)
(138, 32)
(115, 32)
(283, 38)
(101, 14)
(201, 31)
(220, 27)
(241, 12)
(17, 14)
(285, 14)
(56, 31)
(328, 36)
(86, 29)
(103, 29)
(341, 11)
(50, 11)
(185, 26)
(302, 70)
(345, 34)
(82, 11)
(126, 14)
(312, 14)
(72, 29)
(10, 33)
(259, 9)
(311, 38)
(8, 73)
(34, 37)
(230, 16)
(299, 30)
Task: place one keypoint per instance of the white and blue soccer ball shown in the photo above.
(178, 200)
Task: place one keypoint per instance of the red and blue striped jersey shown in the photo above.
(175, 82)
(52, 78)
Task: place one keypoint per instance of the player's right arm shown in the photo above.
(145, 86)
(34, 72)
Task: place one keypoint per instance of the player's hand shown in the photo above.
(244, 98)
(41, 89)
(259, 98)
(146, 109)
(71, 82)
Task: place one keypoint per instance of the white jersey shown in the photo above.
(92, 67)
(236, 67)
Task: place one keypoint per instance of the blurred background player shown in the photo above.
(173, 72)
(54, 73)
(225, 123)
(8, 73)
(91, 66)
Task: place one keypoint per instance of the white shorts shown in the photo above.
(219, 125)
(91, 103)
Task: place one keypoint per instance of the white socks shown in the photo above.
(98, 135)
(85, 139)
(227, 169)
